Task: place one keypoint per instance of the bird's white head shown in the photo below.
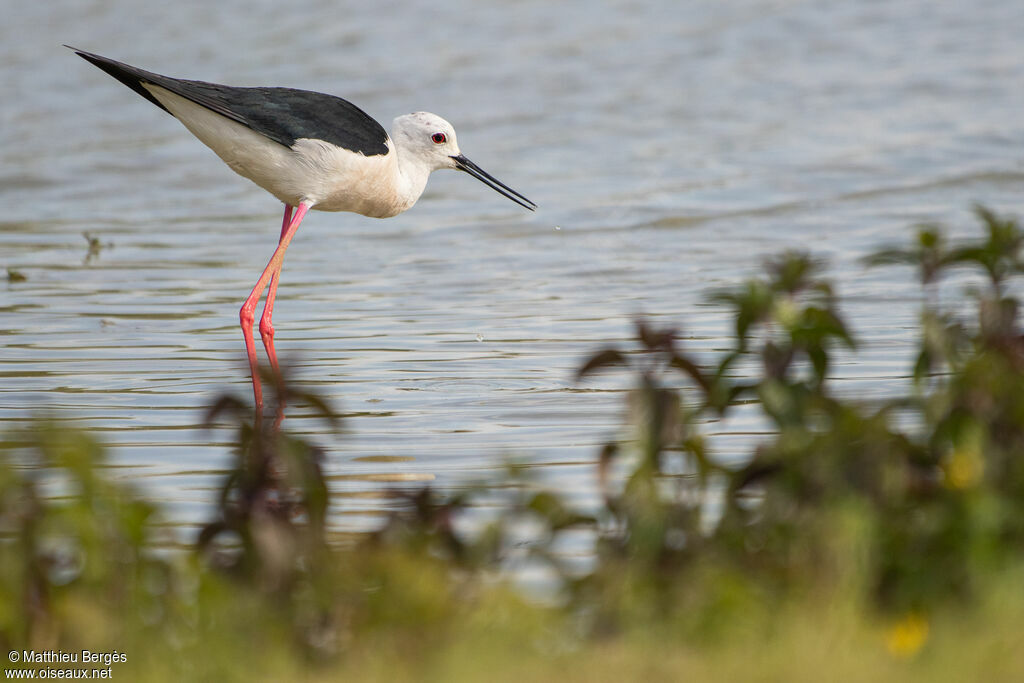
(427, 137)
(429, 141)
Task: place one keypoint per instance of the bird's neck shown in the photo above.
(411, 176)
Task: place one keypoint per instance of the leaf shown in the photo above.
(550, 507)
(600, 360)
(776, 359)
(819, 359)
(228, 403)
(683, 363)
(793, 271)
(319, 404)
(654, 340)
(751, 303)
(737, 390)
(929, 254)
(208, 533)
(753, 473)
(608, 453)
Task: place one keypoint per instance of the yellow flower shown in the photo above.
(966, 463)
(906, 637)
(963, 469)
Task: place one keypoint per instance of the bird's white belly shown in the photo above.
(319, 173)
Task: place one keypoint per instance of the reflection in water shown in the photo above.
(674, 150)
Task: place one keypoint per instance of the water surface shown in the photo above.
(670, 146)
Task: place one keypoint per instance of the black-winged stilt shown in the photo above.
(311, 151)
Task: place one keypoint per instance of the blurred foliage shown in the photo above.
(76, 545)
(885, 525)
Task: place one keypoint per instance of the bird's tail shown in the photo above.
(131, 76)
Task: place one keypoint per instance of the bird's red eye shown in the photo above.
(439, 138)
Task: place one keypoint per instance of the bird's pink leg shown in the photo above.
(247, 315)
(266, 320)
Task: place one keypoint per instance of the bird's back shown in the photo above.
(283, 115)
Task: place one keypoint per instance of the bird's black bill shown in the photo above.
(464, 164)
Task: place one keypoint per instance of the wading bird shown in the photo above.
(311, 151)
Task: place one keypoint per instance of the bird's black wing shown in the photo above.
(281, 114)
